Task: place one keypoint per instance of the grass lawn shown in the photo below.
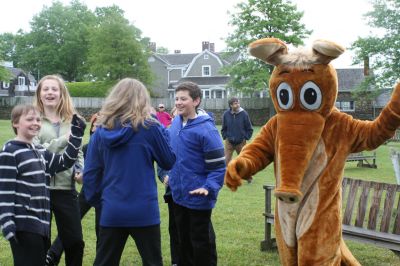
(238, 220)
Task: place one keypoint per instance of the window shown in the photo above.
(206, 71)
(218, 94)
(207, 94)
(6, 85)
(206, 56)
(21, 80)
(345, 106)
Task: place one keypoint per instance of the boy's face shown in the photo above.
(50, 93)
(28, 126)
(185, 105)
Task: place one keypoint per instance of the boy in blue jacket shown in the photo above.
(197, 176)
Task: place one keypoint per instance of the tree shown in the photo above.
(7, 46)
(258, 19)
(117, 49)
(58, 41)
(382, 53)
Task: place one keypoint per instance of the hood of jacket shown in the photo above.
(117, 136)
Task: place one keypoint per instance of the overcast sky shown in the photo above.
(184, 24)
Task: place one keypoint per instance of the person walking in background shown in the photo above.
(236, 129)
(55, 105)
(25, 172)
(119, 174)
(196, 180)
(163, 116)
(57, 248)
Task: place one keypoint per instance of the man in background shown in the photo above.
(236, 129)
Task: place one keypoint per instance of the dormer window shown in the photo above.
(206, 71)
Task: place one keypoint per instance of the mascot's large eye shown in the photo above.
(310, 96)
(284, 94)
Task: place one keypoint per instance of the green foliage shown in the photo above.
(90, 89)
(58, 41)
(382, 51)
(116, 50)
(255, 20)
(7, 45)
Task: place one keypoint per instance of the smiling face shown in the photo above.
(185, 105)
(28, 126)
(50, 93)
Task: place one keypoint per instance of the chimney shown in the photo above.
(366, 66)
(177, 51)
(205, 45)
(153, 47)
(212, 47)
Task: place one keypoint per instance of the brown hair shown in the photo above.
(18, 111)
(65, 108)
(193, 89)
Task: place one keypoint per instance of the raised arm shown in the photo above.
(57, 163)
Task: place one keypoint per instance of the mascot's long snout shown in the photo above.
(299, 134)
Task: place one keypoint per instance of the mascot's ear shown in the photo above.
(325, 51)
(270, 50)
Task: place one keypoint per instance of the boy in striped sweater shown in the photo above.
(25, 172)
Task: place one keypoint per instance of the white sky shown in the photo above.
(184, 24)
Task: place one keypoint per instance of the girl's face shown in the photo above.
(185, 105)
(50, 93)
(28, 126)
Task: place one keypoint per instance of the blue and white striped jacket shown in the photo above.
(200, 162)
(25, 171)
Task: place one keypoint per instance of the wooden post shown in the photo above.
(395, 156)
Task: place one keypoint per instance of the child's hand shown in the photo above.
(199, 191)
(78, 177)
(78, 126)
(165, 181)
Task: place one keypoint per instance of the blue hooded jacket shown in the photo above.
(200, 162)
(119, 173)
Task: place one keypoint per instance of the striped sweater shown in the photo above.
(25, 171)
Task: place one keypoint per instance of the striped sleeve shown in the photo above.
(57, 163)
(8, 174)
(214, 159)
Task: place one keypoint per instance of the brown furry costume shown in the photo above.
(309, 140)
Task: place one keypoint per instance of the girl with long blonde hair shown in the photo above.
(56, 108)
(119, 174)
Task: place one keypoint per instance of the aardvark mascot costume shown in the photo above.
(308, 140)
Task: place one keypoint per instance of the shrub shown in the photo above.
(90, 89)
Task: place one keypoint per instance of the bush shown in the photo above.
(90, 89)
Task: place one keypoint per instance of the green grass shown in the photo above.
(238, 220)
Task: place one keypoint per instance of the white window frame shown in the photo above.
(203, 68)
(345, 106)
(6, 85)
(21, 81)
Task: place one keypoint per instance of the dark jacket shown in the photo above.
(236, 126)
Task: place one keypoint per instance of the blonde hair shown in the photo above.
(128, 101)
(65, 107)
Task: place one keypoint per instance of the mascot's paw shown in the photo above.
(235, 171)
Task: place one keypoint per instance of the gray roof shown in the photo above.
(383, 98)
(186, 59)
(349, 78)
(216, 80)
(15, 72)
